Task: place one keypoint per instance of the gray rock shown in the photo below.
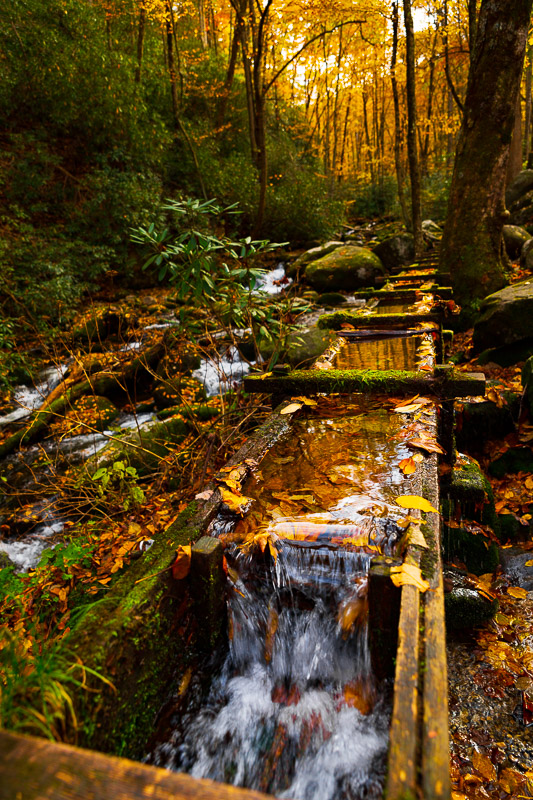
(521, 185)
(526, 254)
(396, 251)
(505, 317)
(348, 267)
(513, 560)
(514, 238)
(306, 258)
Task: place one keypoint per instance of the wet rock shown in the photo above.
(514, 238)
(527, 383)
(515, 459)
(514, 561)
(477, 422)
(298, 266)
(348, 267)
(142, 448)
(396, 251)
(331, 299)
(466, 608)
(505, 317)
(178, 390)
(99, 324)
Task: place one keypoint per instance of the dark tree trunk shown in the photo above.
(527, 131)
(412, 154)
(514, 164)
(398, 132)
(140, 41)
(472, 241)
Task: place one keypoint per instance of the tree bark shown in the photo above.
(414, 171)
(527, 131)
(398, 132)
(472, 241)
(514, 164)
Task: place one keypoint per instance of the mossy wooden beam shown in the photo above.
(446, 292)
(35, 769)
(338, 318)
(392, 382)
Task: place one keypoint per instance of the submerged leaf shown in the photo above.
(517, 591)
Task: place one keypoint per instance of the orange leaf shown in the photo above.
(407, 466)
(484, 765)
(410, 575)
(235, 501)
(182, 564)
(517, 591)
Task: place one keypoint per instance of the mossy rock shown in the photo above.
(5, 561)
(200, 413)
(504, 317)
(302, 346)
(98, 324)
(477, 422)
(348, 267)
(512, 530)
(479, 554)
(396, 251)
(516, 459)
(181, 358)
(466, 608)
(299, 264)
(144, 448)
(331, 299)
(468, 495)
(99, 412)
(179, 390)
(514, 238)
(507, 355)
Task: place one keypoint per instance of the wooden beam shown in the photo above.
(36, 769)
(392, 382)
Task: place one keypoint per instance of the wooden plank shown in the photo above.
(402, 762)
(36, 769)
(435, 741)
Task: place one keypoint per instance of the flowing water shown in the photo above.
(295, 710)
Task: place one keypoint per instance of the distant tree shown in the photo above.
(472, 248)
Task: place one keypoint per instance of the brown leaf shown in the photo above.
(484, 765)
(235, 501)
(182, 564)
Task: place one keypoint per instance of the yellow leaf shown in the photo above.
(291, 408)
(263, 376)
(517, 591)
(529, 563)
(414, 501)
(134, 529)
(484, 765)
(529, 483)
(408, 574)
(234, 500)
(416, 537)
(307, 401)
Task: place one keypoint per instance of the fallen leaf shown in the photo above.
(529, 563)
(291, 408)
(234, 500)
(204, 495)
(517, 591)
(323, 365)
(426, 443)
(407, 466)
(416, 537)
(408, 574)
(182, 564)
(484, 765)
(414, 501)
(307, 401)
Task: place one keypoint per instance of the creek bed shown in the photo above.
(295, 710)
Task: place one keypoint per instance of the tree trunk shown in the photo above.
(514, 164)
(398, 133)
(527, 131)
(414, 172)
(140, 41)
(230, 74)
(472, 242)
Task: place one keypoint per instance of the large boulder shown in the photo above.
(505, 317)
(527, 383)
(514, 238)
(396, 251)
(526, 255)
(305, 346)
(299, 265)
(348, 267)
